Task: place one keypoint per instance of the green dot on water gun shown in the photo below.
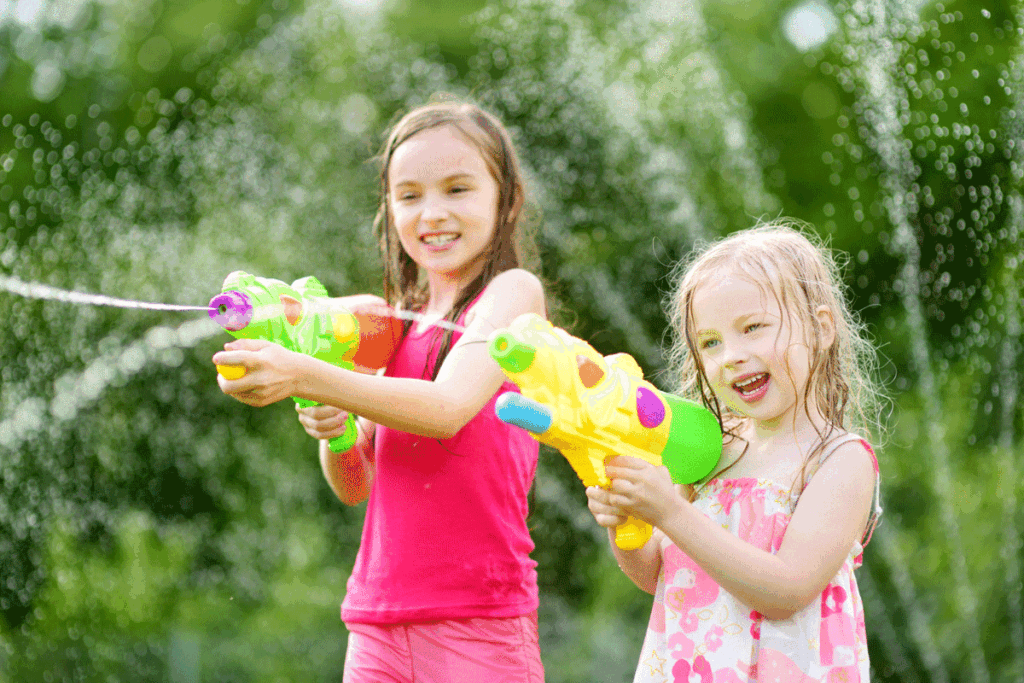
(510, 353)
(694, 441)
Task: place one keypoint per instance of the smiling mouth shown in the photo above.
(439, 239)
(751, 385)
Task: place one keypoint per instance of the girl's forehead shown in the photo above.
(442, 150)
(727, 293)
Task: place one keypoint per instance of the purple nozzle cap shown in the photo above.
(231, 310)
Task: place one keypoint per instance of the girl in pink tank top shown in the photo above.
(443, 587)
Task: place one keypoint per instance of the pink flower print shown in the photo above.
(738, 489)
(673, 560)
(755, 624)
(837, 627)
(775, 667)
(691, 590)
(763, 531)
(713, 638)
(657, 622)
(832, 599)
(689, 622)
(725, 497)
(843, 674)
(680, 646)
(700, 672)
(728, 676)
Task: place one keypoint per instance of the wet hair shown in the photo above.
(791, 264)
(511, 247)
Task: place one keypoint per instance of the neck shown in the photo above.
(796, 426)
(445, 289)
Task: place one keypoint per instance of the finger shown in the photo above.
(621, 500)
(322, 412)
(245, 357)
(628, 462)
(239, 388)
(621, 486)
(246, 344)
(609, 521)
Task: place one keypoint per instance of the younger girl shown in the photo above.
(752, 570)
(443, 587)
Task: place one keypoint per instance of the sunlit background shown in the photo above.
(151, 529)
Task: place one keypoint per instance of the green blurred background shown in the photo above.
(151, 529)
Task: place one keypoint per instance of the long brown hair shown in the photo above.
(510, 247)
(802, 274)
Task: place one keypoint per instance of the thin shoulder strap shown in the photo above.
(876, 502)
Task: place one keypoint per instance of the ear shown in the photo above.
(827, 325)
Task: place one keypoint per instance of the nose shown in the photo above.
(733, 353)
(434, 210)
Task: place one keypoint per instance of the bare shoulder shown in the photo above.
(516, 280)
(852, 462)
(509, 295)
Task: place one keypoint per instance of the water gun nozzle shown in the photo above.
(232, 310)
(510, 353)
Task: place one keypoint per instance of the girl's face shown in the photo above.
(756, 358)
(444, 202)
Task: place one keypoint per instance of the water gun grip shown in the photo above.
(633, 534)
(337, 444)
(345, 440)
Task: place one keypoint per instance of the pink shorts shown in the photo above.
(504, 650)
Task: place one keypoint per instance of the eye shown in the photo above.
(706, 344)
(457, 189)
(753, 327)
(406, 196)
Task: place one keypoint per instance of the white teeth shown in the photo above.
(747, 382)
(436, 240)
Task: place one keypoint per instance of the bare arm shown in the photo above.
(465, 382)
(831, 515)
(350, 474)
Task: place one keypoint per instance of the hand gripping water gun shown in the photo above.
(591, 407)
(356, 331)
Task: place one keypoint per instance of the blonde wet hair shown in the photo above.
(788, 261)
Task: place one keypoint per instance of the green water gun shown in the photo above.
(355, 331)
(591, 407)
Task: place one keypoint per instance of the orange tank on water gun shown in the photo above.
(591, 407)
(348, 332)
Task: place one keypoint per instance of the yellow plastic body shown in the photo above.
(593, 401)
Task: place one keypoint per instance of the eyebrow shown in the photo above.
(741, 319)
(460, 175)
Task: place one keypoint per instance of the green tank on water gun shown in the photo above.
(352, 331)
(591, 407)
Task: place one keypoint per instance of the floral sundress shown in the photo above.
(698, 632)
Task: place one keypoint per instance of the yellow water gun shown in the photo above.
(591, 407)
(354, 331)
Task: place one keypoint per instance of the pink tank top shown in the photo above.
(445, 535)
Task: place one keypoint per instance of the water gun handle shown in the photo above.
(345, 440)
(633, 534)
(535, 417)
(337, 444)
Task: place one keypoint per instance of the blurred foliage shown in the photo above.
(153, 530)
